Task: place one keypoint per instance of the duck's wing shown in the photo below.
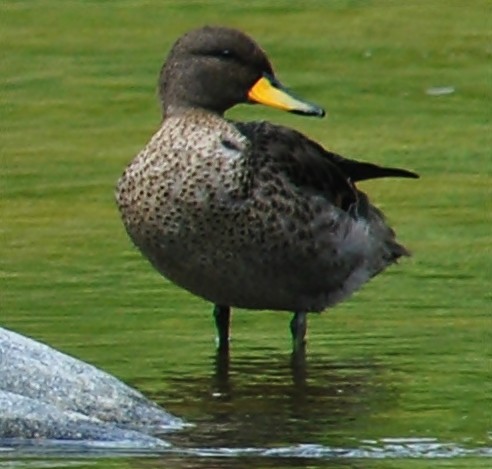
(309, 166)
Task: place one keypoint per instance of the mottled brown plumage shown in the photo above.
(251, 215)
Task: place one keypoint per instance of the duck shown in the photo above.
(250, 215)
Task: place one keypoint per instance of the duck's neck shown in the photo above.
(174, 110)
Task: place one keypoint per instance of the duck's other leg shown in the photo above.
(222, 316)
(298, 327)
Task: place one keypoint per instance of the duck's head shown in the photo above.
(215, 68)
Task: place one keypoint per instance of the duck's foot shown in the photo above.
(222, 316)
(298, 328)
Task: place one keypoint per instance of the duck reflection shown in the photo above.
(222, 381)
(265, 399)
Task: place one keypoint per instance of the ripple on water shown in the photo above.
(401, 448)
(390, 448)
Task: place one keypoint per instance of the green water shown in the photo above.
(402, 373)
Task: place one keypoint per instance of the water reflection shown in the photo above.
(267, 399)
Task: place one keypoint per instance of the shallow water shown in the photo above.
(265, 408)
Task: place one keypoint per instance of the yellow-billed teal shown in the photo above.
(249, 214)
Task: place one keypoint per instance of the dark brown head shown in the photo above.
(215, 68)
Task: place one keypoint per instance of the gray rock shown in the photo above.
(54, 380)
(29, 419)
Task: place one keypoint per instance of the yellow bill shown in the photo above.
(268, 91)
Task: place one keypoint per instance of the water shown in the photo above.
(262, 407)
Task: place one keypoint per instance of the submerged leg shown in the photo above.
(222, 316)
(298, 327)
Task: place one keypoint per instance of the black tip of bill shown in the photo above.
(312, 110)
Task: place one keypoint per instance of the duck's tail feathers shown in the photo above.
(361, 171)
(397, 250)
(358, 171)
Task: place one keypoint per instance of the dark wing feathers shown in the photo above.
(310, 166)
(300, 159)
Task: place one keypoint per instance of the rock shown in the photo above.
(83, 396)
(23, 418)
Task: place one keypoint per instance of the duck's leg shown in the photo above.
(222, 316)
(298, 327)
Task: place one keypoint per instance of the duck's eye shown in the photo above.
(226, 54)
(223, 54)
